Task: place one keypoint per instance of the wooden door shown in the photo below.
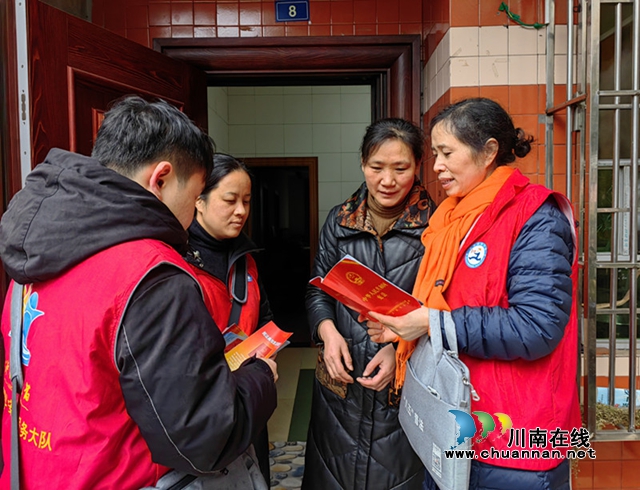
(76, 70)
(284, 224)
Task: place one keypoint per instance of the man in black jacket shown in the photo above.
(127, 376)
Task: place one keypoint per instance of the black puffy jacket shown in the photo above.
(357, 442)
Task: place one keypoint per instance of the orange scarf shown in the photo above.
(448, 226)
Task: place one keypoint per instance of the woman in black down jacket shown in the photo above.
(355, 440)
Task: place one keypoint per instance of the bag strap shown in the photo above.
(239, 290)
(15, 371)
(450, 332)
(435, 336)
(437, 325)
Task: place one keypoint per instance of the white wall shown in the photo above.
(324, 121)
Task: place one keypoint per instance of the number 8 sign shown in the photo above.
(287, 11)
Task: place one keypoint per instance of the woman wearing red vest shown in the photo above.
(500, 262)
(220, 255)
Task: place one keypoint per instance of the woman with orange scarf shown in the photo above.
(500, 262)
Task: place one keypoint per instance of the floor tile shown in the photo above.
(279, 422)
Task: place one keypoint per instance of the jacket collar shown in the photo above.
(353, 213)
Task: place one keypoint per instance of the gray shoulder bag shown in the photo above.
(437, 381)
(241, 474)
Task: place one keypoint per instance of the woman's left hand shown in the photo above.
(411, 326)
(385, 360)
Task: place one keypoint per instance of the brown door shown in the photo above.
(76, 69)
(284, 225)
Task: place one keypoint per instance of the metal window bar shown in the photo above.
(575, 107)
(582, 70)
(617, 56)
(589, 398)
(623, 255)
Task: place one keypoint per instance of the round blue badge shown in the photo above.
(476, 254)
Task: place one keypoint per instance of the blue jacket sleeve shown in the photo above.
(539, 289)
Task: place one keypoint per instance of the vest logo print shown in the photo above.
(31, 312)
(476, 254)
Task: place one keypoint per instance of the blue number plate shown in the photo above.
(288, 11)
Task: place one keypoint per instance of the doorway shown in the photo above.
(284, 225)
(390, 64)
(288, 135)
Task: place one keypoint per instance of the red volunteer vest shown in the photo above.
(218, 298)
(534, 394)
(75, 432)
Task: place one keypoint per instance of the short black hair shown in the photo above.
(474, 121)
(136, 132)
(393, 128)
(223, 165)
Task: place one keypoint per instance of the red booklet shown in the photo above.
(364, 290)
(263, 343)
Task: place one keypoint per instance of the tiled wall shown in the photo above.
(439, 15)
(324, 121)
(507, 65)
(143, 20)
(615, 467)
(472, 49)
(499, 59)
(493, 55)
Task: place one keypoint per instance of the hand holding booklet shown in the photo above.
(357, 286)
(264, 343)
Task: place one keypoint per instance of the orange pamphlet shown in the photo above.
(263, 343)
(361, 289)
